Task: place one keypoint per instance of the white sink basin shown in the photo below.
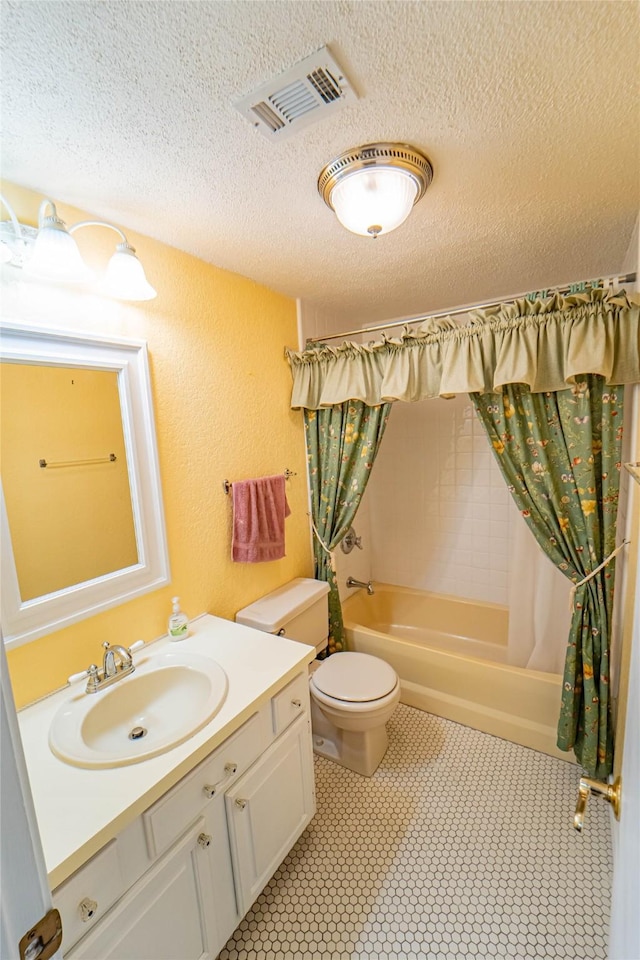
(168, 698)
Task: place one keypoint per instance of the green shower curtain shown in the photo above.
(560, 454)
(342, 443)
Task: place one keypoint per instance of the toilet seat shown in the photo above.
(354, 678)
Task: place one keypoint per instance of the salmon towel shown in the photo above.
(259, 509)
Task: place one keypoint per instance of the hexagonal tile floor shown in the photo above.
(460, 845)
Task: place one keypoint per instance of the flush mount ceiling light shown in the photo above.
(372, 188)
(51, 253)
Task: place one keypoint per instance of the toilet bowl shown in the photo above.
(353, 695)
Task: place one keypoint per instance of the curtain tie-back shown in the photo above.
(323, 544)
(589, 576)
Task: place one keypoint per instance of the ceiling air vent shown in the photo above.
(311, 90)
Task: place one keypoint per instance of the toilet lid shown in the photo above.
(355, 677)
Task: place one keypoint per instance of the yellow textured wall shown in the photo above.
(221, 390)
(70, 523)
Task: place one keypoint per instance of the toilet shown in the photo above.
(353, 695)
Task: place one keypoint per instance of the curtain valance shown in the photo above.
(545, 344)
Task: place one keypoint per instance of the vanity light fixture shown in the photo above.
(51, 253)
(55, 254)
(372, 188)
(11, 240)
(125, 277)
(5, 252)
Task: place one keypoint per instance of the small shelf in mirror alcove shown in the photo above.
(101, 570)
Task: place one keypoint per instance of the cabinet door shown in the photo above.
(166, 915)
(268, 808)
(226, 909)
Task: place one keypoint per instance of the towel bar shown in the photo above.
(77, 463)
(227, 484)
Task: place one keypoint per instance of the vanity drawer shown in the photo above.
(290, 703)
(85, 897)
(167, 819)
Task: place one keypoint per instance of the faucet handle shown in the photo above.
(91, 673)
(351, 540)
(93, 683)
(75, 677)
(134, 646)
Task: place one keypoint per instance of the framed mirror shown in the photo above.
(81, 517)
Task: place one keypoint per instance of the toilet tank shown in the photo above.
(299, 610)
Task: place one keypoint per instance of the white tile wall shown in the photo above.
(356, 564)
(439, 510)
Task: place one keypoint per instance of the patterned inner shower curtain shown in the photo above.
(560, 455)
(342, 443)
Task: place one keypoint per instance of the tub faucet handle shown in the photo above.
(351, 540)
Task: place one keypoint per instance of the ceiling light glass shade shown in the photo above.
(55, 255)
(125, 277)
(374, 201)
(373, 188)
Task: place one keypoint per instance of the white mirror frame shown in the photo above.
(23, 621)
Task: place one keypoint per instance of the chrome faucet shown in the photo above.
(112, 666)
(368, 586)
(116, 664)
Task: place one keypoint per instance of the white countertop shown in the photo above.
(79, 810)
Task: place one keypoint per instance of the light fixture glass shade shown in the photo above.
(125, 278)
(55, 255)
(374, 201)
(12, 244)
(372, 188)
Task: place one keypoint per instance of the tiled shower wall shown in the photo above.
(439, 510)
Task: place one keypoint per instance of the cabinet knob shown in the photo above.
(241, 803)
(297, 703)
(205, 840)
(230, 768)
(87, 908)
(209, 790)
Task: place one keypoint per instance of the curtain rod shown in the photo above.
(567, 288)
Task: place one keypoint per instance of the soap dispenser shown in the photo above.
(178, 622)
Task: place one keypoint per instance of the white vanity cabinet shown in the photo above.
(165, 916)
(177, 881)
(267, 810)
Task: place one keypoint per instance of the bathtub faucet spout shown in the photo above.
(368, 586)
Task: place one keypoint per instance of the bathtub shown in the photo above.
(450, 655)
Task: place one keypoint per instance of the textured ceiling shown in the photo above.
(528, 111)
